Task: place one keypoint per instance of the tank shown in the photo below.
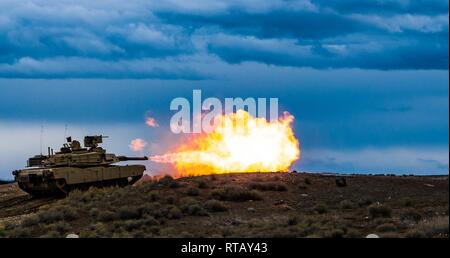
(76, 167)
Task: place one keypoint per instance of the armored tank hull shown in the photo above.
(61, 180)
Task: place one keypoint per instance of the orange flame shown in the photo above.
(240, 143)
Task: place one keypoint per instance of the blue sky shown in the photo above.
(366, 80)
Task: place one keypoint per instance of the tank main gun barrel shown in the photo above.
(125, 158)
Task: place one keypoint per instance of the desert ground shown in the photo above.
(238, 205)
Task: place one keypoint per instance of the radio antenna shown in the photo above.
(65, 131)
(40, 139)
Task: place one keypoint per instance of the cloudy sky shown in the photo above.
(366, 80)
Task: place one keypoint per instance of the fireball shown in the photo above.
(239, 143)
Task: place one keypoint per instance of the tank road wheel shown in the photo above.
(122, 182)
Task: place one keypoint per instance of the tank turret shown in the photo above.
(75, 166)
(73, 155)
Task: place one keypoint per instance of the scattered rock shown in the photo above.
(72, 236)
(303, 195)
(341, 182)
(372, 236)
(252, 210)
(429, 185)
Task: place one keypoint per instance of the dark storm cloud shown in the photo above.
(387, 6)
(74, 67)
(274, 24)
(301, 33)
(386, 54)
(374, 40)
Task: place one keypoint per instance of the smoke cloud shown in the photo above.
(137, 144)
(151, 122)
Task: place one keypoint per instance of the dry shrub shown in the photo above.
(434, 227)
(51, 234)
(129, 212)
(173, 212)
(268, 186)
(131, 225)
(292, 220)
(20, 232)
(411, 215)
(57, 213)
(192, 191)
(30, 221)
(153, 196)
(387, 227)
(236, 194)
(321, 208)
(415, 234)
(150, 221)
(406, 201)
(194, 210)
(346, 205)
(334, 233)
(202, 184)
(379, 211)
(169, 182)
(365, 201)
(61, 227)
(215, 206)
(190, 206)
(106, 216)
